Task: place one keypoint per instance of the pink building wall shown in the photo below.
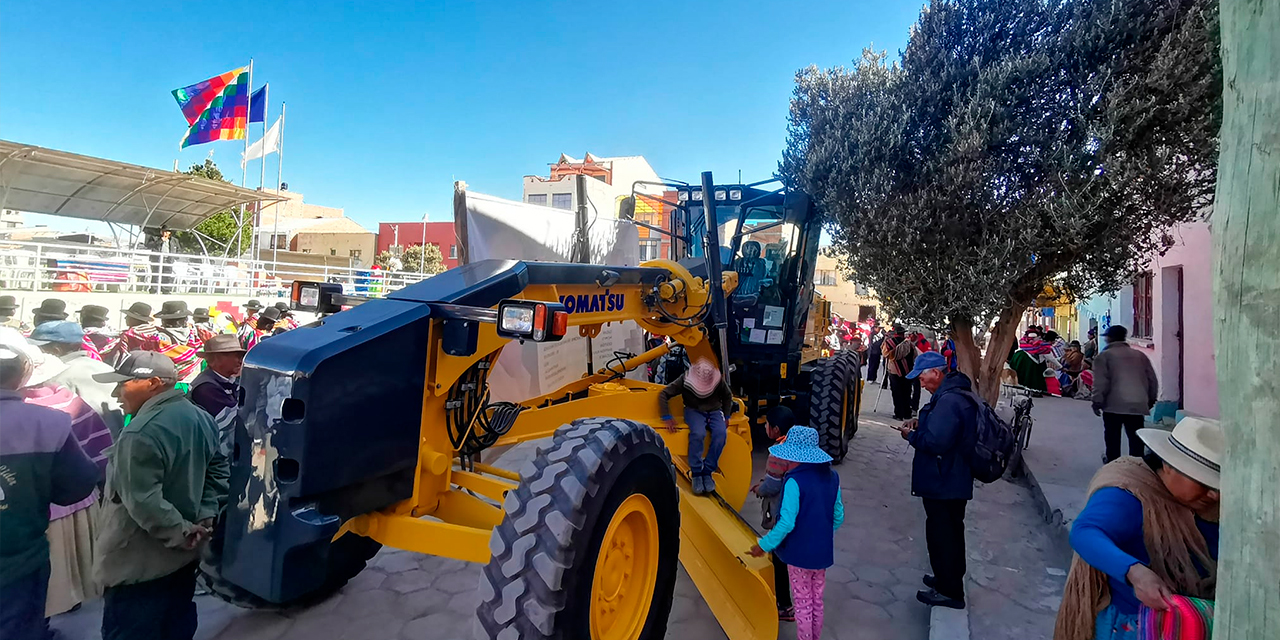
(1193, 256)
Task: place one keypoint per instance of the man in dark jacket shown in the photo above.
(41, 463)
(214, 390)
(940, 473)
(1124, 391)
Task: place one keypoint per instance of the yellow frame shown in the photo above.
(459, 523)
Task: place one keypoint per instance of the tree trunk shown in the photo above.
(999, 342)
(1246, 230)
(968, 357)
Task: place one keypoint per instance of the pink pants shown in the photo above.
(807, 586)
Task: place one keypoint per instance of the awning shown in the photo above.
(40, 180)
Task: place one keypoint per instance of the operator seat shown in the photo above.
(751, 270)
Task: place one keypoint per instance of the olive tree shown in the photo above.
(1015, 143)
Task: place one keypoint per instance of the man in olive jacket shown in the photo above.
(166, 482)
(1125, 388)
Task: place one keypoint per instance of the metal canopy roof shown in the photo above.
(59, 183)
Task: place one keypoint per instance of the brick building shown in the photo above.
(411, 234)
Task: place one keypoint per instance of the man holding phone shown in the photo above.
(166, 483)
(940, 473)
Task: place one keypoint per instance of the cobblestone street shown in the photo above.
(880, 559)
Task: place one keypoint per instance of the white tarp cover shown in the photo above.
(503, 229)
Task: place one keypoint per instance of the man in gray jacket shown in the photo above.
(1124, 391)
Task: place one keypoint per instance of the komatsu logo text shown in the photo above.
(594, 303)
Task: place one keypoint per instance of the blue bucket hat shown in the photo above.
(926, 361)
(801, 446)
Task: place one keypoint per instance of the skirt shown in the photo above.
(71, 561)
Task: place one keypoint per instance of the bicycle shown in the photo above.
(1021, 399)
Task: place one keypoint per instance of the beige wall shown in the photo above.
(844, 295)
(339, 244)
(294, 207)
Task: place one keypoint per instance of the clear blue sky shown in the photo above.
(389, 102)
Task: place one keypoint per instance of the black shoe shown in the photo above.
(930, 581)
(935, 599)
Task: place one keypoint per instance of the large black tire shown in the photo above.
(348, 556)
(833, 403)
(538, 583)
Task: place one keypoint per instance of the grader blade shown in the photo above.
(737, 587)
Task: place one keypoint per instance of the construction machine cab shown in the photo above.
(769, 237)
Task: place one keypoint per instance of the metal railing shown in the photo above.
(43, 266)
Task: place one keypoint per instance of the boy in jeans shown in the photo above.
(777, 422)
(707, 402)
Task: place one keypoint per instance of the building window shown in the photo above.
(1142, 306)
(649, 250)
(562, 201)
(306, 251)
(453, 252)
(538, 199)
(333, 252)
(826, 278)
(354, 253)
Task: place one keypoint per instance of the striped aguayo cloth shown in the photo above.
(1186, 619)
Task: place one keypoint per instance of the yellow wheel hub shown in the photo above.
(626, 572)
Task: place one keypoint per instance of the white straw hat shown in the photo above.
(1194, 447)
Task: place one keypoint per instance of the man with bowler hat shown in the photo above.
(50, 309)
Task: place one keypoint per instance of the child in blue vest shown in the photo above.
(804, 535)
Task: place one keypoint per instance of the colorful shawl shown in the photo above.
(1186, 619)
(181, 344)
(87, 426)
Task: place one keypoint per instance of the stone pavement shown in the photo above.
(880, 558)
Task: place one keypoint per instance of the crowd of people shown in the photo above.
(113, 459)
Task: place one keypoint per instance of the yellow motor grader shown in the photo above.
(366, 430)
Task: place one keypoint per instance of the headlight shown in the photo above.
(517, 319)
(735, 194)
(720, 194)
(682, 196)
(532, 320)
(697, 195)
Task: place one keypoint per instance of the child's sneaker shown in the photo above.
(698, 487)
(708, 485)
(787, 615)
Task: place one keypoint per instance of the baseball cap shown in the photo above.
(926, 361)
(140, 365)
(57, 331)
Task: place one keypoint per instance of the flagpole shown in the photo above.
(244, 168)
(275, 246)
(262, 176)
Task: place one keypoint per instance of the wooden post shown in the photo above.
(1246, 230)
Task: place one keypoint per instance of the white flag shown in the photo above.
(270, 143)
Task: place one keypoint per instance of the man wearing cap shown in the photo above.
(214, 390)
(1125, 388)
(166, 483)
(41, 463)
(50, 309)
(64, 340)
(1148, 532)
(940, 473)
